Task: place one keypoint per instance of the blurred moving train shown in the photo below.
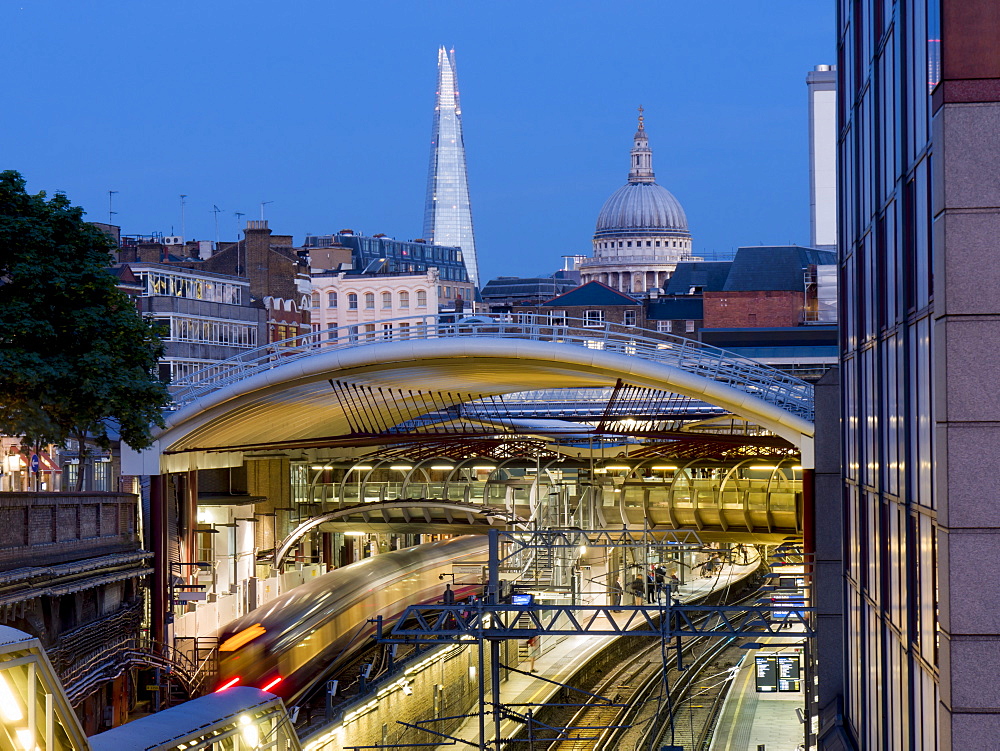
(285, 645)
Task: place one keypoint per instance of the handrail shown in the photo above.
(770, 385)
(113, 659)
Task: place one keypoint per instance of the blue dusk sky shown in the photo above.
(324, 108)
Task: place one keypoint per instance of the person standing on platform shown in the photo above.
(650, 588)
(532, 653)
(638, 589)
(448, 598)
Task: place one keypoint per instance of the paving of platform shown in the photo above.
(750, 721)
(566, 657)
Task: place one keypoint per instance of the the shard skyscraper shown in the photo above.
(448, 213)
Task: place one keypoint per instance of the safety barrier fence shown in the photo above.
(772, 386)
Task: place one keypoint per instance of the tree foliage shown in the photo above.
(76, 357)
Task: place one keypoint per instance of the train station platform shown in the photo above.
(750, 720)
(558, 664)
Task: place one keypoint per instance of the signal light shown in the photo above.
(272, 684)
(228, 684)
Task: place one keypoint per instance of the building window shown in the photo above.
(102, 476)
(689, 327)
(209, 331)
(593, 317)
(630, 243)
(315, 299)
(649, 244)
(404, 330)
(404, 299)
(421, 298)
(630, 317)
(558, 317)
(665, 327)
(352, 301)
(369, 301)
(387, 331)
(657, 243)
(331, 300)
(386, 300)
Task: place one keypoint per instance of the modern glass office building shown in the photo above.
(919, 128)
(448, 211)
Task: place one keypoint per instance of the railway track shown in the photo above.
(642, 699)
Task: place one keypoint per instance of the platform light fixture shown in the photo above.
(663, 468)
(442, 467)
(617, 467)
(26, 737)
(361, 468)
(249, 731)
(401, 467)
(10, 708)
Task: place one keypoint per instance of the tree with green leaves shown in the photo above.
(77, 359)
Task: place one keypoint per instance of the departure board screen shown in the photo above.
(767, 673)
(781, 672)
(789, 673)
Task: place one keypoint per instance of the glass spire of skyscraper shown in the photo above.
(448, 213)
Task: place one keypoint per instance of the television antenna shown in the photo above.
(216, 210)
(262, 205)
(183, 233)
(111, 195)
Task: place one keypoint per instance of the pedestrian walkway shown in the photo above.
(750, 721)
(567, 656)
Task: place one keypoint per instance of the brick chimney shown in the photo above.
(258, 252)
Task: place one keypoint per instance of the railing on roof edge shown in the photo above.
(767, 383)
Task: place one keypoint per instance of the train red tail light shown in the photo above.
(271, 684)
(228, 684)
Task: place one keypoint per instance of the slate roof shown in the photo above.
(770, 268)
(689, 307)
(709, 275)
(592, 293)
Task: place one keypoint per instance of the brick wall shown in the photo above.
(39, 529)
(756, 309)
